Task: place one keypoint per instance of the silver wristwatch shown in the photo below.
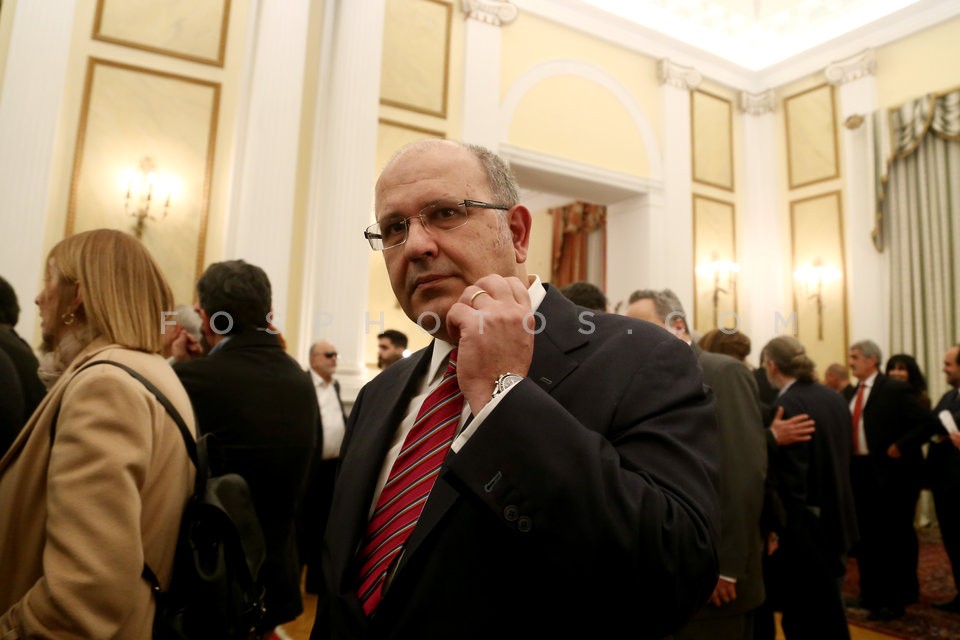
(504, 382)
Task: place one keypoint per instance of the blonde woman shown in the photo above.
(95, 484)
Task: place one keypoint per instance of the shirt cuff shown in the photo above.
(478, 419)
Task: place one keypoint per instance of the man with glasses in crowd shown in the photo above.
(525, 474)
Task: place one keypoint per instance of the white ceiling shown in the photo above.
(753, 34)
(752, 45)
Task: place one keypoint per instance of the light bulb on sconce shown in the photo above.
(723, 274)
(811, 280)
(145, 192)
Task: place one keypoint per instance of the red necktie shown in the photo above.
(857, 410)
(409, 484)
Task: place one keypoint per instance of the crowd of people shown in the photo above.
(543, 467)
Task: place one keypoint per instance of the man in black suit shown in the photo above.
(943, 471)
(578, 486)
(889, 425)
(812, 481)
(263, 411)
(21, 370)
(326, 458)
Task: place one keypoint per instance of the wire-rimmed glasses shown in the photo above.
(392, 230)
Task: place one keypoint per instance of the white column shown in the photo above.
(31, 100)
(261, 209)
(867, 270)
(764, 303)
(336, 269)
(481, 69)
(671, 230)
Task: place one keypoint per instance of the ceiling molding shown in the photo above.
(593, 21)
(540, 172)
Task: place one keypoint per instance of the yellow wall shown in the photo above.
(572, 117)
(925, 62)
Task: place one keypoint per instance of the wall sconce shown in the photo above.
(723, 273)
(810, 280)
(145, 191)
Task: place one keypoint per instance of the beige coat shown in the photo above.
(77, 521)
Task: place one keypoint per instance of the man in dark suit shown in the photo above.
(889, 424)
(729, 613)
(812, 480)
(27, 387)
(323, 469)
(943, 471)
(263, 412)
(578, 489)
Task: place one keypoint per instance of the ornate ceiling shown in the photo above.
(757, 34)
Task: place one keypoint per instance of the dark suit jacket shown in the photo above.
(943, 458)
(893, 415)
(263, 412)
(814, 476)
(586, 500)
(31, 389)
(11, 403)
(315, 507)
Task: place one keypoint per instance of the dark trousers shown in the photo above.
(888, 550)
(314, 512)
(802, 583)
(943, 472)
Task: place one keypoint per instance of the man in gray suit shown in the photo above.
(739, 590)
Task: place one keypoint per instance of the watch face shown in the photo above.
(509, 380)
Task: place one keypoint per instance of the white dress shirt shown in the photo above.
(861, 434)
(330, 414)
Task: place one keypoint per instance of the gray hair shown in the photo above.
(188, 319)
(666, 304)
(869, 349)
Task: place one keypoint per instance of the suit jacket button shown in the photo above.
(511, 513)
(524, 524)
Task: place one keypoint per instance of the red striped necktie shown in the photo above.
(409, 484)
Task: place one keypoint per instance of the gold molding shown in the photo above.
(837, 195)
(445, 91)
(693, 140)
(833, 134)
(216, 62)
(733, 253)
(411, 127)
(204, 204)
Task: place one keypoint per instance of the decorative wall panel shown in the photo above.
(819, 288)
(191, 29)
(715, 264)
(143, 163)
(416, 56)
(811, 121)
(712, 139)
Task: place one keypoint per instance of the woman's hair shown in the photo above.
(915, 377)
(731, 343)
(790, 357)
(123, 290)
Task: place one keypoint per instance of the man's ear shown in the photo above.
(520, 221)
(204, 322)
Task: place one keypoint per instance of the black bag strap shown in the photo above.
(188, 442)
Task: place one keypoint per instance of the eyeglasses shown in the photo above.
(330, 354)
(392, 230)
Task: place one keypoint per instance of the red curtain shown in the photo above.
(571, 226)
